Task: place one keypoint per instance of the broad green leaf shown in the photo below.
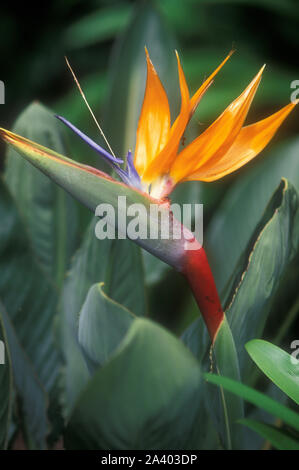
(124, 277)
(6, 386)
(50, 213)
(88, 266)
(258, 399)
(277, 438)
(128, 74)
(243, 208)
(277, 365)
(103, 324)
(27, 293)
(197, 340)
(117, 263)
(269, 253)
(32, 398)
(146, 397)
(227, 364)
(155, 269)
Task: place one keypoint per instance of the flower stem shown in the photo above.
(200, 278)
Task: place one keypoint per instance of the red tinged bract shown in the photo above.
(198, 273)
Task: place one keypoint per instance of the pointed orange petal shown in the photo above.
(161, 163)
(154, 122)
(249, 143)
(214, 142)
(203, 88)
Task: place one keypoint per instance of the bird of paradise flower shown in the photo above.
(158, 165)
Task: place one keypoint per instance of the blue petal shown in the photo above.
(131, 170)
(90, 142)
(128, 176)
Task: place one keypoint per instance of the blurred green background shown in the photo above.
(36, 37)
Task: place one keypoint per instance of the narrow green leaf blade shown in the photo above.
(278, 439)
(256, 398)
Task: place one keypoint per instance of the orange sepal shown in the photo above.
(249, 143)
(163, 160)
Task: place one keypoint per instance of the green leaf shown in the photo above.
(26, 292)
(232, 80)
(146, 397)
(225, 408)
(50, 213)
(128, 74)
(88, 266)
(124, 277)
(100, 25)
(277, 365)
(103, 324)
(6, 386)
(269, 253)
(117, 263)
(243, 206)
(258, 399)
(196, 339)
(278, 439)
(33, 401)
